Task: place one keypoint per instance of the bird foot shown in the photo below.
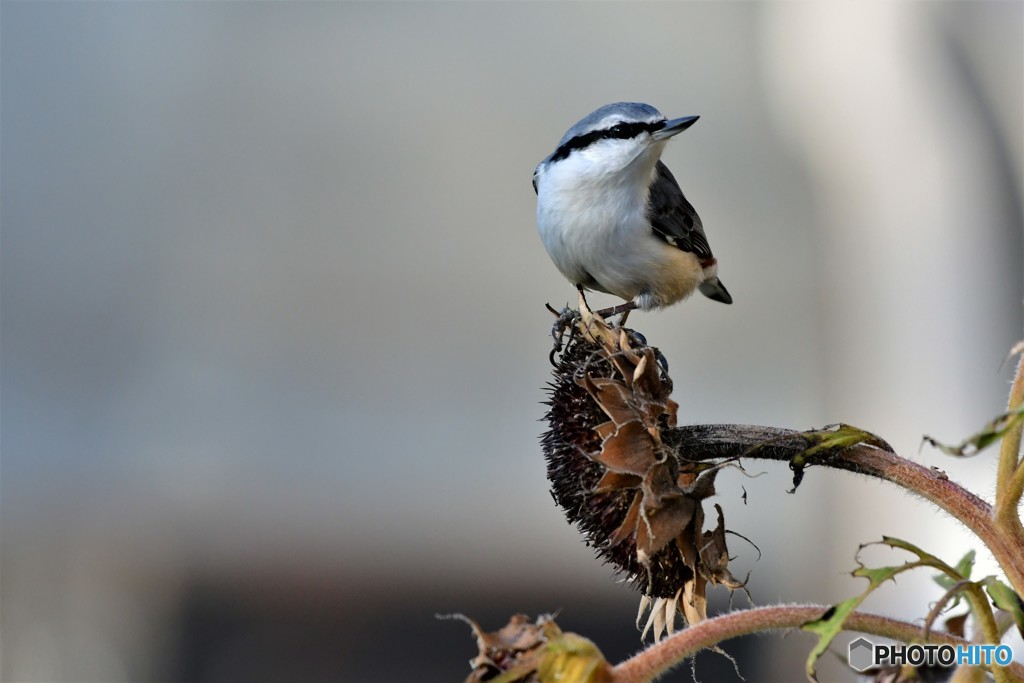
(565, 322)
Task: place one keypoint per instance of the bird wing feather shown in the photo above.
(673, 217)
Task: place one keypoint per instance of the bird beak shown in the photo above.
(673, 127)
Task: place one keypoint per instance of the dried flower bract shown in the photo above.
(534, 652)
(636, 500)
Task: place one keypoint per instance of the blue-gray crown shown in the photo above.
(620, 120)
(624, 112)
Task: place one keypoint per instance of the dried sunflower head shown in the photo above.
(615, 473)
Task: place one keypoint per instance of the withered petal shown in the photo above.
(688, 542)
(605, 430)
(627, 348)
(637, 500)
(629, 522)
(628, 450)
(694, 601)
(659, 527)
(525, 652)
(671, 413)
(520, 633)
(614, 481)
(714, 554)
(704, 486)
(658, 484)
(614, 398)
(646, 377)
(624, 365)
(652, 411)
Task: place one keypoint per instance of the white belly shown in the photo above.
(598, 236)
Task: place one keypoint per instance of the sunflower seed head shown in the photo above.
(615, 474)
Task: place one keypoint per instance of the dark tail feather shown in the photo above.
(713, 289)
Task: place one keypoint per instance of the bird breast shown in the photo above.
(595, 228)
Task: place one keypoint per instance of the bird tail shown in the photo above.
(713, 289)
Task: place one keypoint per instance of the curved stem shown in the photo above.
(1010, 473)
(705, 442)
(957, 501)
(661, 657)
(983, 613)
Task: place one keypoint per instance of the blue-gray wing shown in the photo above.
(673, 217)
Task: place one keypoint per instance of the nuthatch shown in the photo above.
(612, 216)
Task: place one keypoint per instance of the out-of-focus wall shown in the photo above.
(273, 336)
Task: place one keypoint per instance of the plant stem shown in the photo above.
(983, 613)
(960, 503)
(705, 442)
(661, 657)
(1010, 474)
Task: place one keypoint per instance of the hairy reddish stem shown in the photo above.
(661, 657)
(704, 442)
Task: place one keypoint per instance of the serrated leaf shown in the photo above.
(988, 435)
(926, 559)
(830, 624)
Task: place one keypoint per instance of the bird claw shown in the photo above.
(565, 321)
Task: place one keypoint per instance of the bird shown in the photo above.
(612, 216)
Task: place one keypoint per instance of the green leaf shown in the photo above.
(963, 568)
(965, 565)
(989, 434)
(827, 440)
(1006, 599)
(839, 436)
(830, 624)
(926, 559)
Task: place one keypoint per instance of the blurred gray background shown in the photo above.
(273, 336)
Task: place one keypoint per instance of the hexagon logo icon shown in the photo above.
(862, 654)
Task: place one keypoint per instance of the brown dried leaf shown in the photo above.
(518, 634)
(512, 650)
(525, 652)
(955, 624)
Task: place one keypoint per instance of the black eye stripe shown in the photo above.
(618, 131)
